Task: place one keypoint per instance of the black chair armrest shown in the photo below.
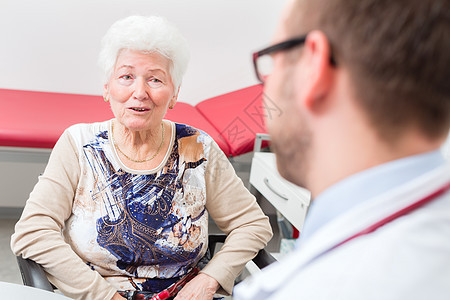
(261, 260)
(33, 275)
(213, 240)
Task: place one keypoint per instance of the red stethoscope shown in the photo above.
(404, 211)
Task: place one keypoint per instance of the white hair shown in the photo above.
(147, 34)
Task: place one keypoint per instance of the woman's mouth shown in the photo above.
(139, 109)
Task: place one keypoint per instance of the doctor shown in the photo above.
(364, 90)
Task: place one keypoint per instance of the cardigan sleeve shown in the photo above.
(38, 233)
(236, 212)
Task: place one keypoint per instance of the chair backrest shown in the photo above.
(33, 274)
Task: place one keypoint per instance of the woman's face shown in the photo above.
(140, 89)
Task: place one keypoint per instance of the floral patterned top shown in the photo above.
(140, 230)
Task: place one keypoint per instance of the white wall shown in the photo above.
(52, 45)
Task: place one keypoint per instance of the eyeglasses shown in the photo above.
(263, 60)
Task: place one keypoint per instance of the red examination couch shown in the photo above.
(36, 119)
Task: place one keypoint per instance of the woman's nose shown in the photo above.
(140, 89)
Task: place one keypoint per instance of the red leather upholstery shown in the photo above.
(239, 116)
(37, 119)
(188, 114)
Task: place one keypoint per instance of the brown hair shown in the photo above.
(398, 55)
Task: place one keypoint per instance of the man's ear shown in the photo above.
(317, 54)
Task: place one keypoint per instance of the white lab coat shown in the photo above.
(446, 148)
(408, 258)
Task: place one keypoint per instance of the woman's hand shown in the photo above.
(202, 287)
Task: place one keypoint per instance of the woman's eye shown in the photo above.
(155, 82)
(126, 77)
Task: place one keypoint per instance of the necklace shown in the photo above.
(137, 160)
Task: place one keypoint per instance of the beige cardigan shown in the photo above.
(58, 225)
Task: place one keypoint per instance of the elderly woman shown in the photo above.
(124, 204)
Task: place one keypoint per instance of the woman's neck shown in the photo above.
(140, 148)
(149, 138)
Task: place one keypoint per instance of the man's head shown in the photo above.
(397, 53)
(392, 58)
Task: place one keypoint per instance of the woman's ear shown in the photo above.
(105, 92)
(174, 98)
